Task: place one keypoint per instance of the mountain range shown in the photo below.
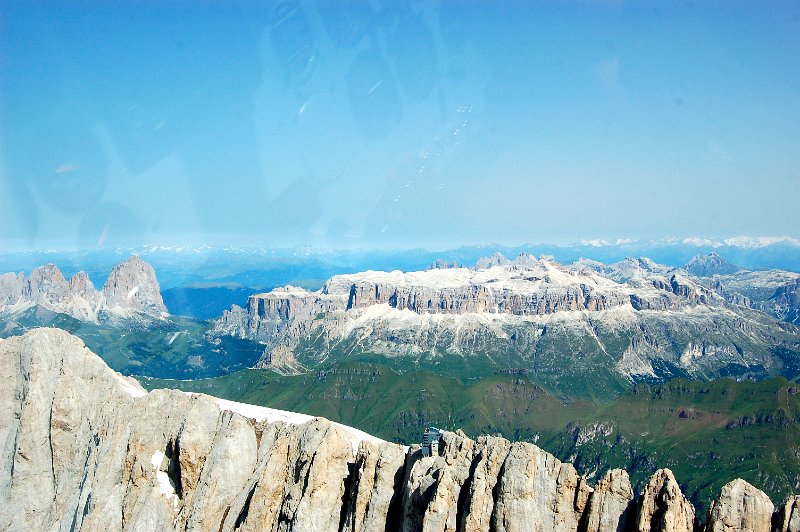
(586, 329)
(126, 321)
(262, 268)
(131, 291)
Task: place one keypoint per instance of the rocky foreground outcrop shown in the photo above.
(131, 290)
(85, 448)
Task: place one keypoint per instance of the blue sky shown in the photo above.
(396, 124)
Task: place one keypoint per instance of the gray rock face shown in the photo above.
(46, 285)
(433, 485)
(490, 455)
(375, 494)
(498, 259)
(536, 492)
(624, 270)
(785, 302)
(11, 288)
(525, 287)
(708, 265)
(740, 506)
(611, 506)
(82, 447)
(788, 516)
(132, 287)
(663, 507)
(774, 292)
(131, 291)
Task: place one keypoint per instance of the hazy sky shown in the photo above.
(396, 123)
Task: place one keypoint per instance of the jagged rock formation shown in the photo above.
(281, 360)
(85, 448)
(740, 506)
(132, 287)
(442, 264)
(785, 302)
(488, 262)
(663, 506)
(612, 505)
(708, 265)
(787, 519)
(653, 322)
(624, 270)
(775, 292)
(131, 291)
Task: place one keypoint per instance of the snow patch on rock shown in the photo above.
(165, 484)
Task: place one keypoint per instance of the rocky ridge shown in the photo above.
(671, 323)
(774, 292)
(496, 287)
(131, 291)
(84, 447)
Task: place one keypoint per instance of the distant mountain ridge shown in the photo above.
(131, 291)
(632, 320)
(310, 266)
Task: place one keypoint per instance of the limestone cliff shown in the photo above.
(86, 448)
(636, 319)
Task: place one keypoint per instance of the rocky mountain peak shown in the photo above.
(498, 259)
(46, 282)
(81, 284)
(524, 259)
(132, 287)
(663, 506)
(12, 286)
(740, 506)
(709, 265)
(442, 264)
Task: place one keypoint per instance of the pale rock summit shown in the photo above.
(46, 285)
(433, 484)
(442, 264)
(537, 492)
(490, 455)
(740, 506)
(84, 448)
(132, 287)
(611, 508)
(498, 259)
(375, 495)
(664, 507)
